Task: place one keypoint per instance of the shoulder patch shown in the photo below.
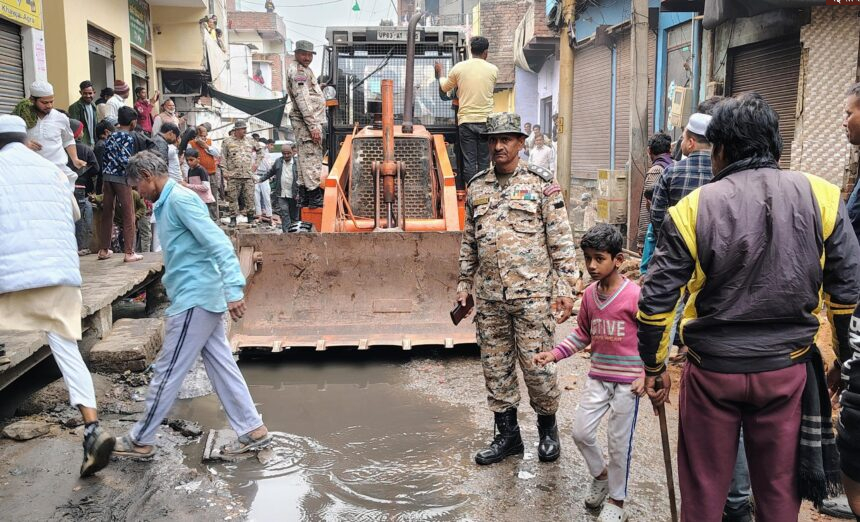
(552, 189)
(541, 172)
(476, 176)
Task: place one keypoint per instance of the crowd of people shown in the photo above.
(739, 258)
(94, 139)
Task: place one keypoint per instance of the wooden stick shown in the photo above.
(667, 454)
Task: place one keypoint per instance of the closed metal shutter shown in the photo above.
(11, 67)
(590, 128)
(772, 69)
(100, 42)
(138, 63)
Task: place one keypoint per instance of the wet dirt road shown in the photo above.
(362, 437)
(393, 439)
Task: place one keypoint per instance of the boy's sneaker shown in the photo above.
(98, 445)
(612, 513)
(596, 493)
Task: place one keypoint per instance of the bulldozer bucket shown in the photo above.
(350, 290)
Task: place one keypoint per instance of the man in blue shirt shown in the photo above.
(203, 280)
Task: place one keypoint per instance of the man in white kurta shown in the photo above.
(40, 278)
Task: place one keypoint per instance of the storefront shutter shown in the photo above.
(11, 67)
(100, 42)
(771, 69)
(591, 111)
(138, 63)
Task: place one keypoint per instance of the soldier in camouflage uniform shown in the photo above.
(308, 118)
(240, 154)
(518, 251)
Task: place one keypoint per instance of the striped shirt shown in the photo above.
(609, 326)
(677, 181)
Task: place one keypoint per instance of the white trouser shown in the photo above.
(75, 372)
(263, 199)
(598, 399)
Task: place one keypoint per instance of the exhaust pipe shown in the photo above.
(410, 72)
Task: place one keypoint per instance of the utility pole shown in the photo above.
(638, 160)
(565, 98)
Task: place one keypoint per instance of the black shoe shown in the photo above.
(98, 445)
(507, 441)
(837, 507)
(549, 447)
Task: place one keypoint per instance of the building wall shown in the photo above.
(498, 19)
(180, 44)
(829, 67)
(526, 99)
(504, 101)
(548, 83)
(67, 46)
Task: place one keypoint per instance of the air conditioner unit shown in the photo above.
(612, 196)
(681, 101)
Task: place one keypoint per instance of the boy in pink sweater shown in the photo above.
(607, 322)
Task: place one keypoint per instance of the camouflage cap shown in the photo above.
(240, 124)
(504, 123)
(304, 45)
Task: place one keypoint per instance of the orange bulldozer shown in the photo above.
(381, 268)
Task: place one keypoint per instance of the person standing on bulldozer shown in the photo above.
(240, 155)
(518, 250)
(308, 119)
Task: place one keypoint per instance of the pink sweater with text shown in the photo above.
(610, 329)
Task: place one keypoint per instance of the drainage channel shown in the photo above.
(351, 443)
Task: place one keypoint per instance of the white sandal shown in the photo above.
(612, 513)
(596, 493)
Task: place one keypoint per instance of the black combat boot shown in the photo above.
(549, 447)
(507, 442)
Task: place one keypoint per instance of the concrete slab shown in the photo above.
(25, 349)
(130, 345)
(106, 281)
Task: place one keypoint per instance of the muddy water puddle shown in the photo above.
(351, 443)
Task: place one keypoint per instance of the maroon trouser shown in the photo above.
(122, 195)
(713, 407)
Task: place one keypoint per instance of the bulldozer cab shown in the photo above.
(356, 61)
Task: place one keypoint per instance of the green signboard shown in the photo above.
(139, 24)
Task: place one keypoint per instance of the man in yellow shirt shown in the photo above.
(475, 81)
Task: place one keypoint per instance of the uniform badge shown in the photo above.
(480, 201)
(524, 195)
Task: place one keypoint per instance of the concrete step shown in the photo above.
(131, 345)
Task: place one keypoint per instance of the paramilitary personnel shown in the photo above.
(518, 250)
(240, 154)
(308, 118)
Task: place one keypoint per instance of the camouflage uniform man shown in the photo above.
(308, 119)
(518, 250)
(240, 155)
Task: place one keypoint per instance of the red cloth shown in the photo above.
(712, 408)
(144, 115)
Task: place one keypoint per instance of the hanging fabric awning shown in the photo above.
(270, 111)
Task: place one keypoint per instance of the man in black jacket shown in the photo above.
(285, 186)
(754, 248)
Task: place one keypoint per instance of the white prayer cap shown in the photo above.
(698, 123)
(12, 124)
(41, 88)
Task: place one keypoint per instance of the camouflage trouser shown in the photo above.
(514, 330)
(240, 188)
(310, 155)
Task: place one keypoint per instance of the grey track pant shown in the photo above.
(187, 336)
